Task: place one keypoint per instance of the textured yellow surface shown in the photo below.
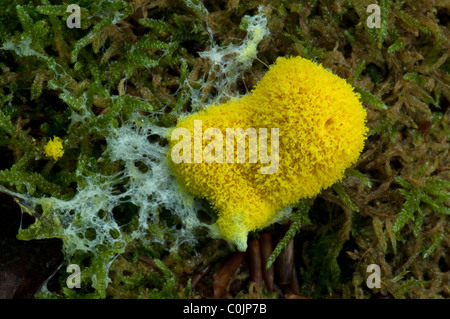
(54, 148)
(322, 130)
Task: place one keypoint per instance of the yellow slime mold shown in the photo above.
(300, 128)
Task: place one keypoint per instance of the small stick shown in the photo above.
(295, 286)
(198, 276)
(255, 262)
(284, 263)
(223, 276)
(266, 249)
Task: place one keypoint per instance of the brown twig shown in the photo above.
(284, 264)
(266, 250)
(223, 276)
(255, 262)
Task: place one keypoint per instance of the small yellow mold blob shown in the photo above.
(301, 127)
(54, 148)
